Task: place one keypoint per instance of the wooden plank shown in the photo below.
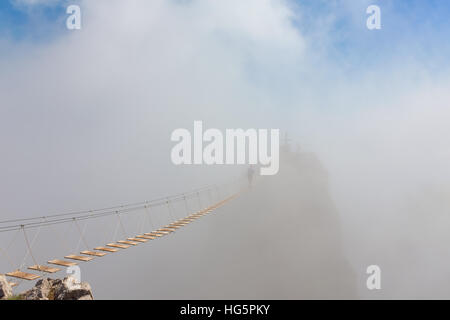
(106, 249)
(131, 243)
(93, 253)
(80, 258)
(164, 231)
(153, 234)
(23, 275)
(156, 233)
(117, 245)
(146, 237)
(63, 263)
(44, 268)
(174, 227)
(137, 239)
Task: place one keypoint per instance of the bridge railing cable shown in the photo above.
(168, 223)
(16, 224)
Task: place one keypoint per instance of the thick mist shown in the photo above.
(86, 118)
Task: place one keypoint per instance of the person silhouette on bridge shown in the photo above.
(250, 174)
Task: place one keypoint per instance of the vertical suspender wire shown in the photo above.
(63, 243)
(81, 234)
(174, 212)
(121, 224)
(32, 243)
(210, 197)
(29, 247)
(147, 210)
(141, 221)
(116, 229)
(170, 210)
(10, 260)
(186, 205)
(108, 230)
(199, 201)
(218, 193)
(155, 219)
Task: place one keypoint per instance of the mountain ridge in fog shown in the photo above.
(285, 241)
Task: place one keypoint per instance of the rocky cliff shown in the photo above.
(284, 241)
(49, 289)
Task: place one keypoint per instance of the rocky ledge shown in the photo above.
(49, 289)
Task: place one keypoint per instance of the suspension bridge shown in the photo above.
(123, 226)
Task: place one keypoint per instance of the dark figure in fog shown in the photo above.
(250, 174)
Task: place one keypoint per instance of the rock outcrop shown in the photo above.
(57, 289)
(5, 288)
(286, 241)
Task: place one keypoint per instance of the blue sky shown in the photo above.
(404, 22)
(418, 28)
(413, 29)
(22, 22)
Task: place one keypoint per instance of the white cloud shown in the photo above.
(93, 110)
(137, 70)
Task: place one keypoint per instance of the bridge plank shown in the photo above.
(137, 239)
(162, 233)
(131, 243)
(23, 275)
(44, 268)
(173, 228)
(63, 263)
(94, 253)
(118, 245)
(80, 258)
(146, 237)
(153, 234)
(106, 249)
